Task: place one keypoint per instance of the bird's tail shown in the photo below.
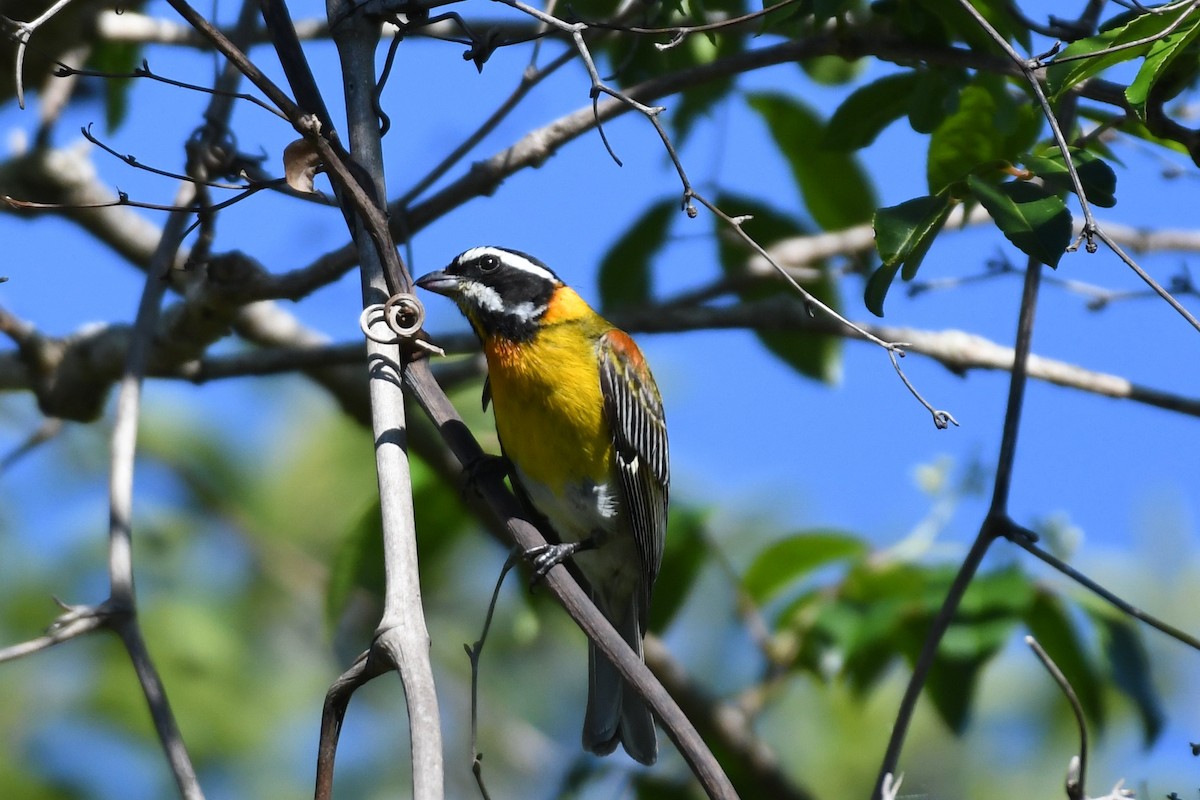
(615, 712)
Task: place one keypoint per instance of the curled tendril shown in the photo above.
(402, 315)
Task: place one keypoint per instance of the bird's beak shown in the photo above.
(439, 283)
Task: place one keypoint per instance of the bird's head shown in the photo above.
(502, 292)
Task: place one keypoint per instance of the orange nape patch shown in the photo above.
(566, 305)
(623, 345)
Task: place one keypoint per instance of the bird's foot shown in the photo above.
(548, 556)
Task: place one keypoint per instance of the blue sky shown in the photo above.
(864, 433)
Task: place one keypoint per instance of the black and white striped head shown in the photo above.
(502, 292)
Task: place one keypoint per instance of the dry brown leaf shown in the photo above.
(300, 164)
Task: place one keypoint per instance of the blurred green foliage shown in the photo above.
(259, 582)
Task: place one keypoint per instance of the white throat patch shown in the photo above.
(486, 298)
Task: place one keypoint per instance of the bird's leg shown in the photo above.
(548, 556)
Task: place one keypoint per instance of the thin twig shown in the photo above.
(679, 33)
(1154, 285)
(933, 637)
(1027, 541)
(68, 626)
(45, 432)
(1077, 776)
(144, 71)
(133, 161)
(996, 523)
(1164, 33)
(120, 546)
(474, 652)
(941, 419)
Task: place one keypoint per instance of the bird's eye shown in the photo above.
(489, 264)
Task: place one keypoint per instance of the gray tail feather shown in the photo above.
(615, 712)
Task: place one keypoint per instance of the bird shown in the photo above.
(582, 429)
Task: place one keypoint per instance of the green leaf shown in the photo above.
(965, 141)
(934, 98)
(625, 271)
(837, 191)
(813, 355)
(1162, 55)
(116, 58)
(951, 688)
(1095, 174)
(868, 110)
(684, 553)
(1131, 669)
(987, 131)
(1062, 75)
(903, 235)
(877, 287)
(788, 560)
(1097, 177)
(1034, 220)
(1049, 622)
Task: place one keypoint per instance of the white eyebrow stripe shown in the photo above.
(510, 259)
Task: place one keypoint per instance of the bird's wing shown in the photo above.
(635, 415)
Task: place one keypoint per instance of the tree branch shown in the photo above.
(401, 639)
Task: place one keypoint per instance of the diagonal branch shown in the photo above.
(598, 629)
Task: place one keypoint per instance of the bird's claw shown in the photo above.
(546, 557)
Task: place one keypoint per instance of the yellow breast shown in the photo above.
(547, 402)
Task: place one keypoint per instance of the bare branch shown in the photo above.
(21, 33)
(401, 638)
(72, 374)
